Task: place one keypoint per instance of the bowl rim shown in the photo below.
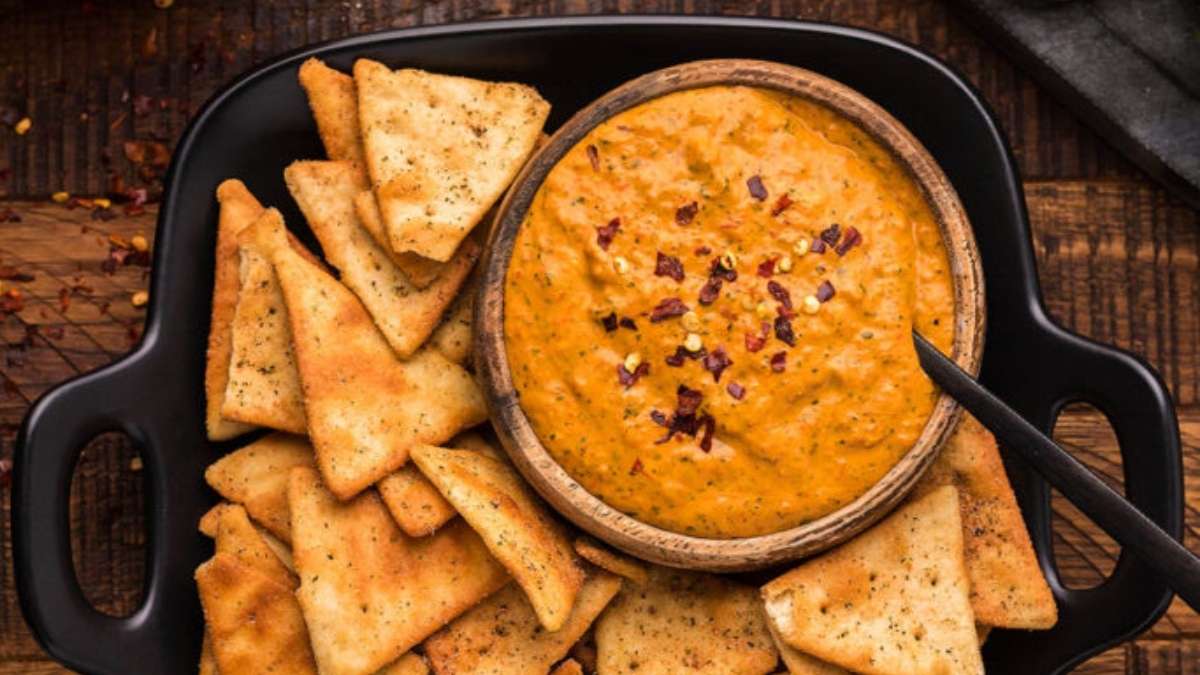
(642, 539)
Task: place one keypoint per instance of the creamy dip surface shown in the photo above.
(709, 307)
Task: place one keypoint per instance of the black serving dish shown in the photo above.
(261, 122)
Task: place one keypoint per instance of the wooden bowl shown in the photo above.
(653, 543)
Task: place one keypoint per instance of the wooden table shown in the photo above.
(1118, 257)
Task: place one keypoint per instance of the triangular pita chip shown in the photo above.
(441, 150)
(208, 662)
(334, 104)
(452, 339)
(404, 314)
(607, 559)
(502, 634)
(414, 502)
(264, 385)
(211, 520)
(409, 664)
(799, 663)
(685, 622)
(895, 599)
(369, 592)
(254, 621)
(366, 408)
(256, 477)
(515, 525)
(421, 271)
(568, 667)
(1007, 585)
(238, 209)
(239, 538)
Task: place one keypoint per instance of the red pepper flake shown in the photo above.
(627, 322)
(7, 215)
(684, 420)
(594, 157)
(64, 299)
(710, 426)
(668, 266)
(757, 189)
(103, 214)
(736, 390)
(688, 400)
(604, 235)
(668, 308)
(718, 270)
(637, 463)
(710, 291)
(766, 268)
(757, 342)
(609, 322)
(831, 234)
(681, 353)
(818, 246)
(137, 196)
(780, 294)
(11, 302)
(783, 331)
(629, 379)
(703, 251)
(716, 362)
(10, 273)
(779, 361)
(55, 332)
(825, 291)
(686, 213)
(853, 238)
(781, 204)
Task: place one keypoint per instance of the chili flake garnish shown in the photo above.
(609, 322)
(766, 268)
(825, 291)
(831, 234)
(676, 360)
(817, 246)
(604, 235)
(736, 390)
(757, 342)
(688, 400)
(780, 294)
(627, 322)
(669, 307)
(710, 426)
(757, 189)
(716, 362)
(703, 250)
(629, 379)
(779, 361)
(853, 238)
(720, 270)
(783, 331)
(685, 213)
(594, 157)
(668, 266)
(710, 291)
(637, 465)
(658, 417)
(781, 204)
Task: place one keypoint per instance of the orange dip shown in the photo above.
(817, 401)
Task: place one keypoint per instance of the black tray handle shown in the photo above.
(1137, 404)
(55, 431)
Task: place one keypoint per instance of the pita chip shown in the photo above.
(334, 104)
(440, 150)
(1008, 588)
(208, 662)
(254, 620)
(503, 635)
(256, 477)
(409, 664)
(239, 538)
(212, 519)
(264, 385)
(404, 314)
(365, 407)
(895, 599)
(514, 524)
(421, 271)
(238, 209)
(685, 621)
(568, 667)
(606, 559)
(414, 502)
(452, 339)
(369, 592)
(799, 663)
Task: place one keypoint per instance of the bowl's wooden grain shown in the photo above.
(656, 544)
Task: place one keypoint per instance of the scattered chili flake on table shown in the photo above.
(716, 362)
(54, 332)
(757, 189)
(686, 213)
(766, 268)
(6, 464)
(781, 204)
(825, 291)
(593, 156)
(64, 299)
(11, 301)
(853, 238)
(667, 308)
(779, 361)
(737, 391)
(629, 379)
(10, 273)
(8, 215)
(605, 234)
(668, 266)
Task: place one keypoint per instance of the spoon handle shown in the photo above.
(1128, 526)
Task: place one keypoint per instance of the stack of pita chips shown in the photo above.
(375, 529)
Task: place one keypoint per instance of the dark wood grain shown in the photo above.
(1118, 258)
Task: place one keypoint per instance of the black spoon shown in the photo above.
(1128, 526)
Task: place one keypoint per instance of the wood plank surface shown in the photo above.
(1117, 256)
